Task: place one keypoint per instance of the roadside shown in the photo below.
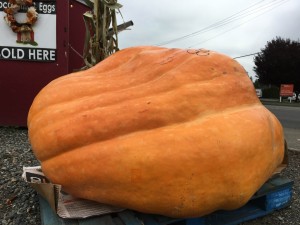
(291, 128)
(292, 137)
(284, 102)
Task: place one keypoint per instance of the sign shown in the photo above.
(286, 90)
(33, 41)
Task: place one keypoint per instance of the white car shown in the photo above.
(259, 93)
(293, 98)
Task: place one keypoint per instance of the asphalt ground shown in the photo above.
(292, 137)
(289, 115)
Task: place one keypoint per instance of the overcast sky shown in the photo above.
(231, 27)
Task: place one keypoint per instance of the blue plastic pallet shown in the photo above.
(273, 195)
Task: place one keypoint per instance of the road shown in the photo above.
(290, 120)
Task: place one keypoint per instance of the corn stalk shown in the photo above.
(101, 30)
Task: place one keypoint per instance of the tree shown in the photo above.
(279, 63)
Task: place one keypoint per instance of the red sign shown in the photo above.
(286, 90)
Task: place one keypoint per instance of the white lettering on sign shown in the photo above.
(32, 54)
(4, 5)
(42, 46)
(41, 54)
(7, 53)
(45, 8)
(41, 7)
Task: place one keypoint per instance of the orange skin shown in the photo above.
(163, 131)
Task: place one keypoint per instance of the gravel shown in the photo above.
(19, 202)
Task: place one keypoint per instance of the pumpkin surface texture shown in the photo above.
(174, 132)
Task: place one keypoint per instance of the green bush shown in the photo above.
(271, 92)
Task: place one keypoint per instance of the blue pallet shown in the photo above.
(273, 195)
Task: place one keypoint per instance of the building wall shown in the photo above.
(21, 80)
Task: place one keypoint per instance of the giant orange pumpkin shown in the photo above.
(167, 131)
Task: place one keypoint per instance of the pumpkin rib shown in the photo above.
(59, 80)
(167, 126)
(48, 129)
(204, 117)
(151, 82)
(66, 117)
(104, 75)
(123, 55)
(79, 74)
(120, 92)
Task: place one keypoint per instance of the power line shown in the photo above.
(208, 27)
(259, 6)
(243, 15)
(246, 55)
(275, 6)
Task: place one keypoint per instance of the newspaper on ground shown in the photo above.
(64, 204)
